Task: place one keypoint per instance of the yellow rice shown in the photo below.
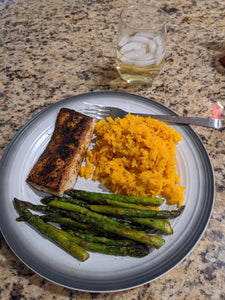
(136, 156)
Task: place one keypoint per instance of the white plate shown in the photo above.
(102, 273)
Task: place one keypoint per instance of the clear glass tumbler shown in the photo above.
(141, 43)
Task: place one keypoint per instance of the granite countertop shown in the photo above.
(51, 50)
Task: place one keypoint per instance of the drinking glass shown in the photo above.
(141, 43)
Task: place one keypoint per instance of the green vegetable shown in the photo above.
(74, 244)
(55, 234)
(134, 251)
(159, 224)
(102, 239)
(120, 211)
(129, 199)
(40, 208)
(79, 202)
(85, 215)
(99, 201)
(66, 222)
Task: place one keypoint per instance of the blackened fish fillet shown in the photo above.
(57, 168)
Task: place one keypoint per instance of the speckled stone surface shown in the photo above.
(50, 50)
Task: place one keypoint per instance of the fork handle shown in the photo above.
(205, 122)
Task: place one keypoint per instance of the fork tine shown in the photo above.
(104, 111)
(94, 115)
(97, 107)
(96, 111)
(91, 104)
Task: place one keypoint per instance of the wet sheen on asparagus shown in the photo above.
(120, 211)
(98, 201)
(130, 199)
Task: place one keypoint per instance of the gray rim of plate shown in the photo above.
(122, 282)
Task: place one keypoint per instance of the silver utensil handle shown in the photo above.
(206, 122)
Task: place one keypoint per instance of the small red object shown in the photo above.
(217, 110)
(222, 60)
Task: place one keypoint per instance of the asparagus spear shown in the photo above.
(79, 202)
(120, 211)
(94, 200)
(40, 208)
(133, 251)
(55, 234)
(159, 224)
(130, 199)
(102, 239)
(67, 222)
(101, 221)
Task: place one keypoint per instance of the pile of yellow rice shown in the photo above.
(136, 156)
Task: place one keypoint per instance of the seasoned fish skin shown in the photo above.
(57, 168)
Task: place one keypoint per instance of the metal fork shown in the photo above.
(102, 112)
